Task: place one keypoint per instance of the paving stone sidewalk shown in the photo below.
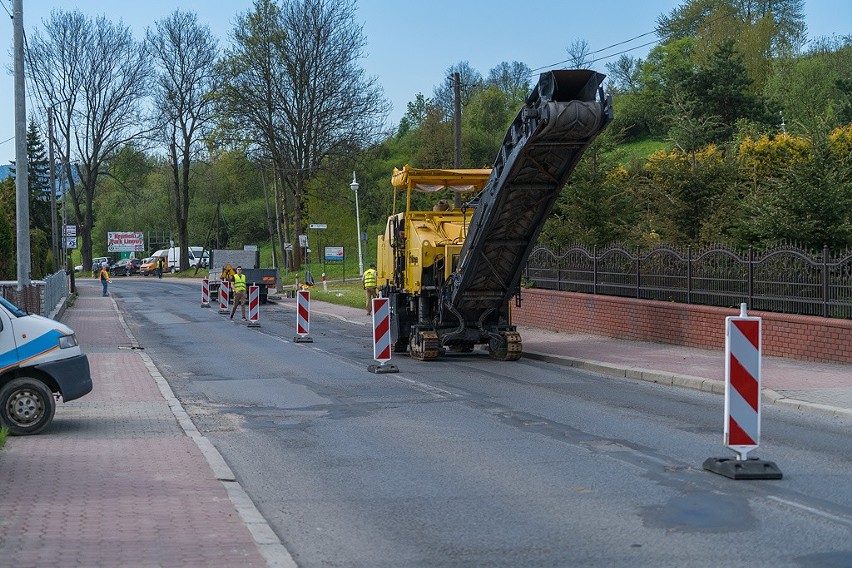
(116, 480)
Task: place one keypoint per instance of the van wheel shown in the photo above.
(26, 406)
(174, 269)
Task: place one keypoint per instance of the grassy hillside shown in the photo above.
(637, 150)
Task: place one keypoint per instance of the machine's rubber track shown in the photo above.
(507, 348)
(424, 345)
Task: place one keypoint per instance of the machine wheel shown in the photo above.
(26, 406)
(424, 345)
(507, 348)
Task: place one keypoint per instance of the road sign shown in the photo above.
(70, 230)
(317, 226)
(334, 253)
(70, 242)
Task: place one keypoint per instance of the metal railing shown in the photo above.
(784, 279)
(41, 296)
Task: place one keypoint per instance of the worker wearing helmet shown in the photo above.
(370, 286)
(239, 280)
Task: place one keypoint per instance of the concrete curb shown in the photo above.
(686, 381)
(267, 542)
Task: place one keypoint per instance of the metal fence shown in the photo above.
(41, 296)
(786, 280)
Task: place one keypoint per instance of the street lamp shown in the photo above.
(354, 186)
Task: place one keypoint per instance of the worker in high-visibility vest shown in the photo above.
(370, 286)
(239, 280)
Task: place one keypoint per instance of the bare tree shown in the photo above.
(95, 74)
(471, 82)
(511, 78)
(578, 54)
(184, 97)
(315, 98)
(252, 71)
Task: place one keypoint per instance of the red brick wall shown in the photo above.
(806, 338)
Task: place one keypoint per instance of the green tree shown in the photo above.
(8, 262)
(809, 88)
(484, 122)
(38, 180)
(808, 202)
(721, 89)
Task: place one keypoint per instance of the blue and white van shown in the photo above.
(39, 362)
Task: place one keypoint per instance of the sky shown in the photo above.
(411, 44)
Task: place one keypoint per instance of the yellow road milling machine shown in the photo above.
(450, 272)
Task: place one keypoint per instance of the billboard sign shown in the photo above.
(125, 242)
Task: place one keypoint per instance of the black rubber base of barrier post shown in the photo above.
(379, 369)
(203, 305)
(302, 339)
(751, 468)
(254, 324)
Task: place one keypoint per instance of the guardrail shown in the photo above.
(784, 279)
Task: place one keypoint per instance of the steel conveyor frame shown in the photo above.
(560, 119)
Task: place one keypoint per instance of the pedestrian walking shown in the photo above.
(369, 279)
(104, 277)
(159, 267)
(239, 280)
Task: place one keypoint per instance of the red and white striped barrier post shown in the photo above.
(224, 294)
(743, 351)
(382, 337)
(205, 293)
(254, 305)
(303, 317)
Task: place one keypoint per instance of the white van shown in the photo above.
(39, 358)
(197, 255)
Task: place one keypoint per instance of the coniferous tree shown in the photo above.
(38, 181)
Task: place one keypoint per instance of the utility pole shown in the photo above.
(21, 164)
(54, 233)
(457, 121)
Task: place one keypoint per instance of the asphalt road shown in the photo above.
(472, 462)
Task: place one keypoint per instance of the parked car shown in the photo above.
(125, 267)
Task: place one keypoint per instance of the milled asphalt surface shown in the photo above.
(123, 478)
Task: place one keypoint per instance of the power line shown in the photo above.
(656, 31)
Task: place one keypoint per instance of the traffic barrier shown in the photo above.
(205, 293)
(224, 294)
(381, 337)
(254, 305)
(743, 350)
(303, 317)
